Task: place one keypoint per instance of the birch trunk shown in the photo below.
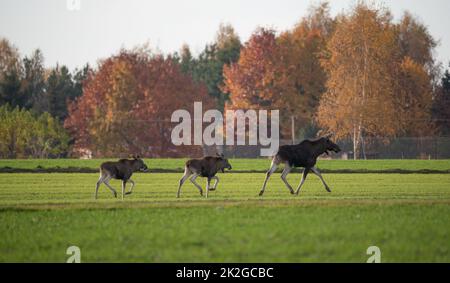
(356, 141)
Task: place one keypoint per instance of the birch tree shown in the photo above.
(358, 101)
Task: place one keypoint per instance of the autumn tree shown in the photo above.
(257, 80)
(415, 41)
(127, 104)
(250, 81)
(304, 77)
(380, 77)
(358, 101)
(413, 99)
(416, 78)
(283, 72)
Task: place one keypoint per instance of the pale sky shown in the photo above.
(101, 27)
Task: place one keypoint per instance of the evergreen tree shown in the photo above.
(33, 83)
(59, 90)
(441, 105)
(208, 67)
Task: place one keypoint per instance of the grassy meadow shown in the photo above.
(406, 215)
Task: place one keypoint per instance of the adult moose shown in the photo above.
(304, 155)
(206, 167)
(122, 170)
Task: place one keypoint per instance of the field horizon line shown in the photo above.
(89, 170)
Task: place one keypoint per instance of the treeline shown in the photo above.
(33, 104)
(25, 83)
(356, 75)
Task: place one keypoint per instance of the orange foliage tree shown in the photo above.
(413, 98)
(251, 81)
(283, 72)
(358, 100)
(278, 73)
(127, 104)
(303, 77)
(374, 88)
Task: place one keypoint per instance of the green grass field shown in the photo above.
(406, 215)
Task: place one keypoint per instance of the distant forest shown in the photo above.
(356, 75)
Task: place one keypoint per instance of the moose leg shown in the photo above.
(215, 183)
(317, 172)
(208, 183)
(106, 181)
(100, 180)
(305, 173)
(183, 179)
(132, 186)
(195, 183)
(273, 168)
(124, 182)
(285, 172)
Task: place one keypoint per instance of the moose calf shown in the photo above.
(205, 167)
(122, 170)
